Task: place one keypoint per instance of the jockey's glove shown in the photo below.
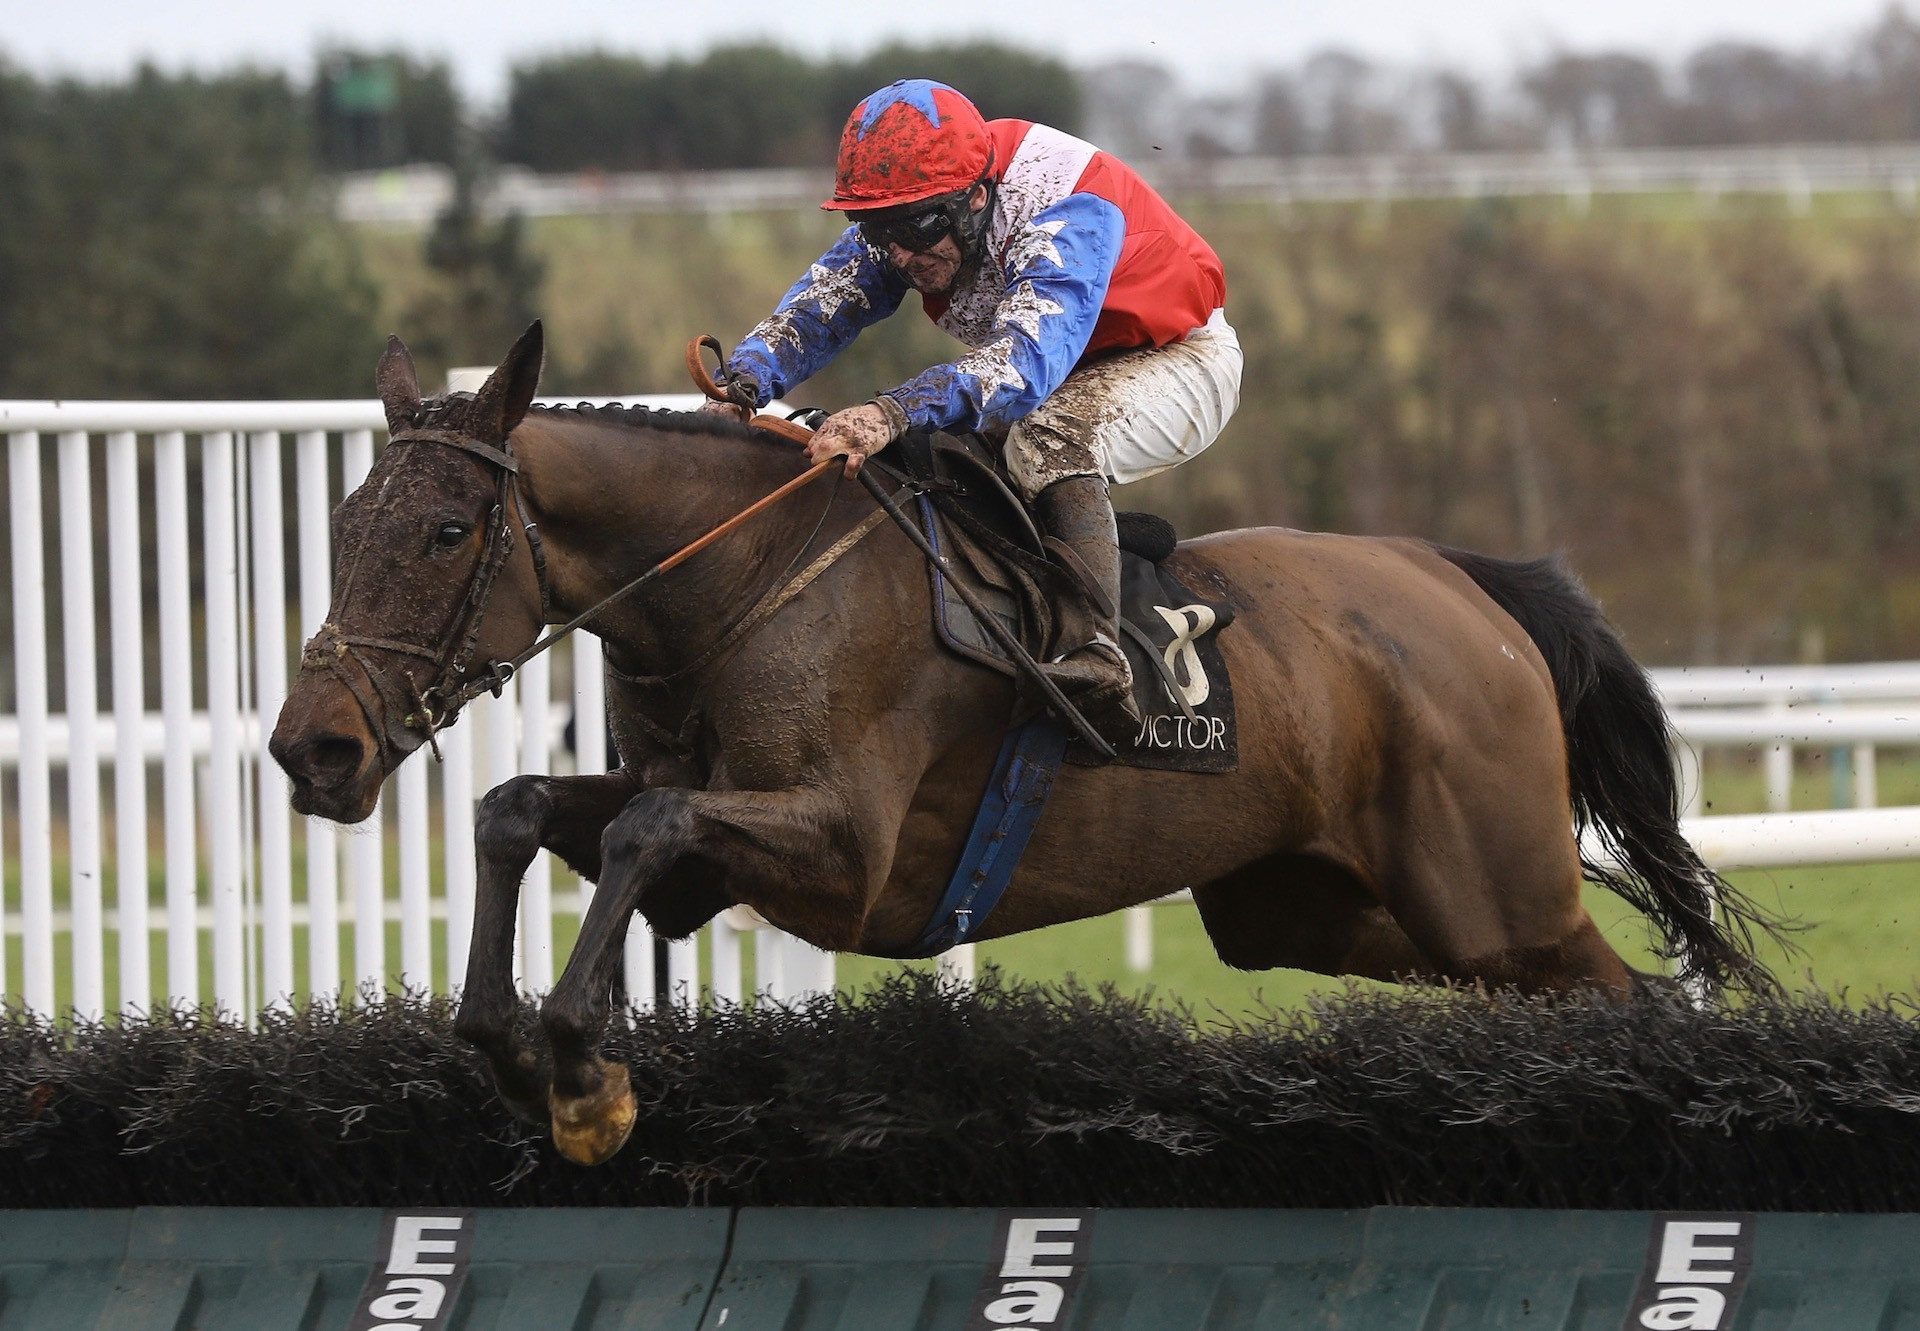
(743, 389)
(897, 423)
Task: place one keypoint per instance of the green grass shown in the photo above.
(1863, 936)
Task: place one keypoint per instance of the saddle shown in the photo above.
(972, 516)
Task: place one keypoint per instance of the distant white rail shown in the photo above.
(1721, 686)
(414, 195)
(1800, 725)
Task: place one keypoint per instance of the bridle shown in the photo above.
(426, 711)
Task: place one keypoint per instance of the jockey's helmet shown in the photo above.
(910, 142)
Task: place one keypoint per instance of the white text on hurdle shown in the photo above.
(1698, 1266)
(1039, 1268)
(426, 1261)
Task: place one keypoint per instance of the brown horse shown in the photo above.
(1419, 731)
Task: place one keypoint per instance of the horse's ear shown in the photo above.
(509, 390)
(398, 384)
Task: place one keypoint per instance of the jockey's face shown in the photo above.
(933, 272)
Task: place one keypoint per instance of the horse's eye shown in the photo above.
(452, 533)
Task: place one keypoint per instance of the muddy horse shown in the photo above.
(1420, 731)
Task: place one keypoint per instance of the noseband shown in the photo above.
(423, 712)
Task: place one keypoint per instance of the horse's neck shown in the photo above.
(614, 499)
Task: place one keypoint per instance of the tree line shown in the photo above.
(1339, 102)
(170, 235)
(739, 105)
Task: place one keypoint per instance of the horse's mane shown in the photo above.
(654, 418)
(442, 411)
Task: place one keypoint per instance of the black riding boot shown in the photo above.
(1077, 519)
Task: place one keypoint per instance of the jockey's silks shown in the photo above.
(1081, 257)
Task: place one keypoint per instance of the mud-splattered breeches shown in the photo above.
(1132, 415)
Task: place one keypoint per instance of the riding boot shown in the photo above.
(1077, 520)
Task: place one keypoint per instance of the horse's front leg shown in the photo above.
(679, 856)
(567, 815)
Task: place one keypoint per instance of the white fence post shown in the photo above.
(366, 848)
(82, 661)
(725, 940)
(416, 881)
(221, 572)
(128, 645)
(323, 853)
(502, 764)
(456, 819)
(1866, 777)
(958, 964)
(176, 706)
(270, 691)
(30, 684)
(1139, 929)
(536, 889)
(1779, 766)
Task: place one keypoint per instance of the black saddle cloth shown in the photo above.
(1169, 632)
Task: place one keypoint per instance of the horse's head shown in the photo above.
(432, 583)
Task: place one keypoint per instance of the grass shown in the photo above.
(1863, 936)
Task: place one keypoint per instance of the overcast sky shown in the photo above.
(1208, 44)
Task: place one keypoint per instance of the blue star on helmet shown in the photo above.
(917, 93)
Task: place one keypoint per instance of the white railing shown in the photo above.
(1848, 710)
(216, 593)
(1719, 686)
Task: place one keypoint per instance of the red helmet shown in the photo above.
(912, 140)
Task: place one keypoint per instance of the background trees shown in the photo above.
(160, 240)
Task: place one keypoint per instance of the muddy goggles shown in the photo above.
(918, 227)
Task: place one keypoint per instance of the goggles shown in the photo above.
(918, 228)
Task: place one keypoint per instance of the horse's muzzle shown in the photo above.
(325, 769)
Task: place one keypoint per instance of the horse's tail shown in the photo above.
(1620, 768)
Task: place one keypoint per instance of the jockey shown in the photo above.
(1100, 351)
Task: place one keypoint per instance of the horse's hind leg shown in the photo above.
(564, 814)
(1484, 876)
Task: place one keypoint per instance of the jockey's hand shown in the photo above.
(859, 432)
(742, 399)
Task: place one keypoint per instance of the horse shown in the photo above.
(1421, 733)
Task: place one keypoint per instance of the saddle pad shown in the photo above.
(1169, 635)
(1179, 660)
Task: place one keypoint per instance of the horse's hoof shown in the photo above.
(589, 1129)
